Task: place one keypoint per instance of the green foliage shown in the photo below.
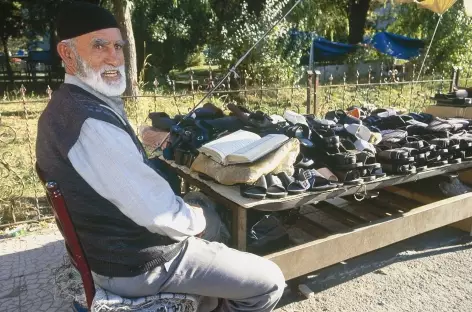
(270, 60)
(453, 42)
(327, 18)
(195, 59)
(170, 30)
(11, 19)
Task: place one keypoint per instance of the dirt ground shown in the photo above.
(431, 272)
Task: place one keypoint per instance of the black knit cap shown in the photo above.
(79, 18)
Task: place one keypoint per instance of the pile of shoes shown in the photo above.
(346, 147)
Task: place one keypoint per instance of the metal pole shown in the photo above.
(316, 86)
(308, 90)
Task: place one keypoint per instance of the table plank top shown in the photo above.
(232, 193)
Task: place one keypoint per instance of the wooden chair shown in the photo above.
(65, 225)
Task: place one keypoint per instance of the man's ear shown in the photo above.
(67, 56)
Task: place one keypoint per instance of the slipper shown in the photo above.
(393, 136)
(317, 182)
(299, 131)
(340, 116)
(295, 118)
(368, 160)
(411, 170)
(419, 144)
(348, 166)
(349, 177)
(291, 185)
(396, 168)
(394, 155)
(416, 154)
(362, 145)
(326, 173)
(303, 162)
(384, 112)
(316, 123)
(375, 138)
(361, 132)
(258, 190)
(378, 173)
(162, 121)
(275, 188)
(357, 113)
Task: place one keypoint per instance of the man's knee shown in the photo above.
(271, 289)
(277, 277)
(274, 280)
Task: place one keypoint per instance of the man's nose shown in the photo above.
(113, 58)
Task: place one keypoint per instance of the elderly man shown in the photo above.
(139, 237)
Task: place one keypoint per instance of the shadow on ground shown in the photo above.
(27, 274)
(444, 240)
(28, 264)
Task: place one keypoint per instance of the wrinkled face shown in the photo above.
(97, 59)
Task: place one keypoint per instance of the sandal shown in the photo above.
(328, 174)
(275, 188)
(340, 117)
(291, 185)
(368, 160)
(317, 182)
(349, 177)
(303, 162)
(257, 190)
(398, 168)
(395, 155)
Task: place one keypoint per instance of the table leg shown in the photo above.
(239, 231)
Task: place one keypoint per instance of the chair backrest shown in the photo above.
(65, 225)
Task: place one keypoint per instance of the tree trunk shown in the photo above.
(7, 59)
(122, 9)
(357, 12)
(55, 58)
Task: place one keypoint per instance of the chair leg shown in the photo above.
(77, 307)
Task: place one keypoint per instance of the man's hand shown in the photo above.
(198, 210)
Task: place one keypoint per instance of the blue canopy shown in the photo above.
(324, 49)
(398, 46)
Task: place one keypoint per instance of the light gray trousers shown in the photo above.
(244, 282)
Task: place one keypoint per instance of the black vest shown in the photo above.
(114, 245)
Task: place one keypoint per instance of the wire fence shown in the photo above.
(21, 195)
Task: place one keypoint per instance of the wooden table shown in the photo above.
(368, 225)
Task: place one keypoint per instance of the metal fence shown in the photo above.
(21, 195)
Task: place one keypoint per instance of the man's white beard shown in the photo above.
(94, 79)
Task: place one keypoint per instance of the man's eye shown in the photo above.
(99, 46)
(118, 47)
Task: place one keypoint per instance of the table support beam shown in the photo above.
(239, 228)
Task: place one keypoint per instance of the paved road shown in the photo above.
(431, 272)
(26, 279)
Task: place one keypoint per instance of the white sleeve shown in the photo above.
(106, 157)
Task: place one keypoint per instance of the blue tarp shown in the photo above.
(325, 49)
(398, 46)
